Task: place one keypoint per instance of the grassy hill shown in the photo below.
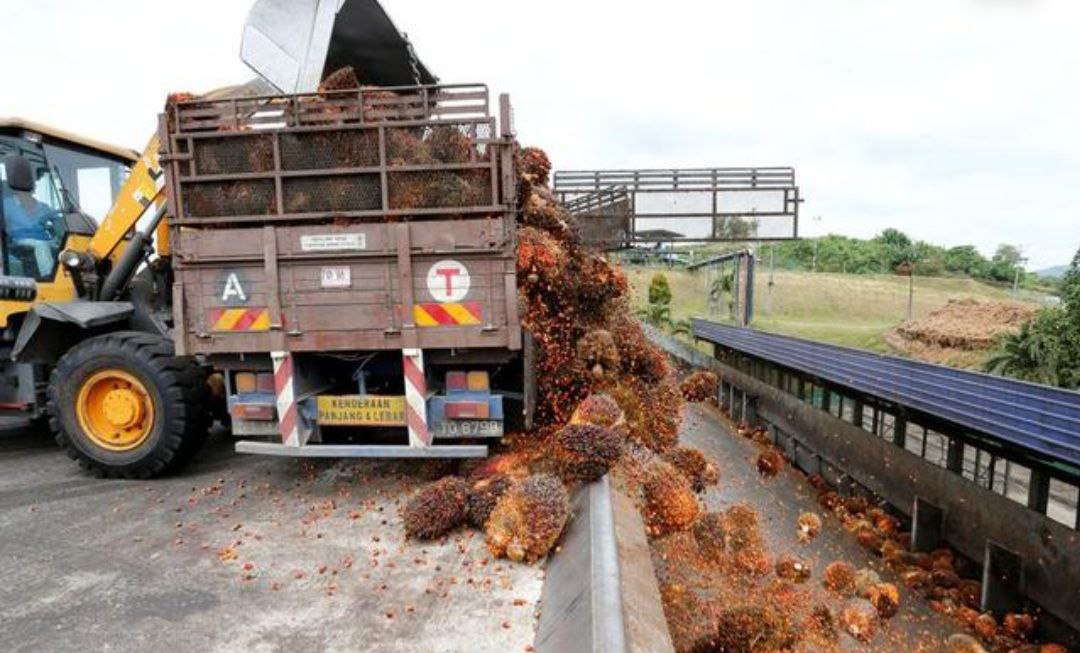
(843, 309)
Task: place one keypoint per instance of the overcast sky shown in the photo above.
(954, 120)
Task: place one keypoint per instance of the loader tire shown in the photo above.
(125, 406)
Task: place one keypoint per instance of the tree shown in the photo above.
(897, 249)
(1006, 264)
(1047, 349)
(965, 259)
(1032, 354)
(659, 311)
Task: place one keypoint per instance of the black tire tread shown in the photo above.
(179, 380)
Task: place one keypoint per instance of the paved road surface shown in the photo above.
(92, 565)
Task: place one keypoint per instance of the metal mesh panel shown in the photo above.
(235, 154)
(329, 194)
(333, 149)
(431, 189)
(229, 198)
(445, 143)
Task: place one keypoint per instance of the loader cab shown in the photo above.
(32, 213)
(54, 184)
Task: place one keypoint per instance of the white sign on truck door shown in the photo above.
(448, 281)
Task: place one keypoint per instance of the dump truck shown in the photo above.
(330, 271)
(346, 259)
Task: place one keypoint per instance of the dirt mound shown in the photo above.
(960, 332)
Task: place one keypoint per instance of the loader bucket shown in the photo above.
(294, 44)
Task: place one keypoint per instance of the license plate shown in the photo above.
(486, 428)
(337, 277)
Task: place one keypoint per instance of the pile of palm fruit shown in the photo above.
(940, 576)
(607, 400)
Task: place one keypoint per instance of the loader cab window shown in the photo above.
(92, 181)
(32, 211)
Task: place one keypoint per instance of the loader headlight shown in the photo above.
(74, 260)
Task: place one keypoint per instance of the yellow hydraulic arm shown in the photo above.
(145, 186)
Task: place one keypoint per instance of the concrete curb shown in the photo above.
(600, 592)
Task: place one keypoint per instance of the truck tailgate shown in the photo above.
(339, 288)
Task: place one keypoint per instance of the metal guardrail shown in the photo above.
(1037, 418)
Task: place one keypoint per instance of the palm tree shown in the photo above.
(1031, 354)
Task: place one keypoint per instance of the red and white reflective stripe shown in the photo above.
(416, 398)
(288, 417)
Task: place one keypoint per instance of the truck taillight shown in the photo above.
(479, 382)
(250, 382)
(254, 412)
(468, 382)
(456, 381)
(467, 410)
(264, 382)
(245, 382)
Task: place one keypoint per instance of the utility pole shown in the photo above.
(772, 280)
(911, 296)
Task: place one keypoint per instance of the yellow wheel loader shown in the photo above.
(86, 281)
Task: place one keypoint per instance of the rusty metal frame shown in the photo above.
(611, 196)
(370, 110)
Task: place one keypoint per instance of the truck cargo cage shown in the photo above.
(618, 209)
(401, 153)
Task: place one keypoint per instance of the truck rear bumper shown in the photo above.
(360, 451)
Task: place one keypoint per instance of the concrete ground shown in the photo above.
(241, 553)
(779, 502)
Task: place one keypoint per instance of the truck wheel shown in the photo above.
(124, 406)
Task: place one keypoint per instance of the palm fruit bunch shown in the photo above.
(886, 599)
(436, 509)
(1018, 625)
(449, 144)
(540, 260)
(839, 577)
(744, 539)
(865, 580)
(753, 629)
(662, 407)
(961, 643)
(859, 620)
(670, 504)
(640, 359)
(809, 526)
(600, 409)
(483, 496)
(597, 352)
(693, 464)
(690, 619)
(585, 452)
(791, 568)
(985, 626)
(540, 210)
(770, 462)
(597, 282)
(821, 625)
(342, 79)
(534, 167)
(700, 386)
(528, 520)
(710, 535)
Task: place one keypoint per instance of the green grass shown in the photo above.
(843, 309)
